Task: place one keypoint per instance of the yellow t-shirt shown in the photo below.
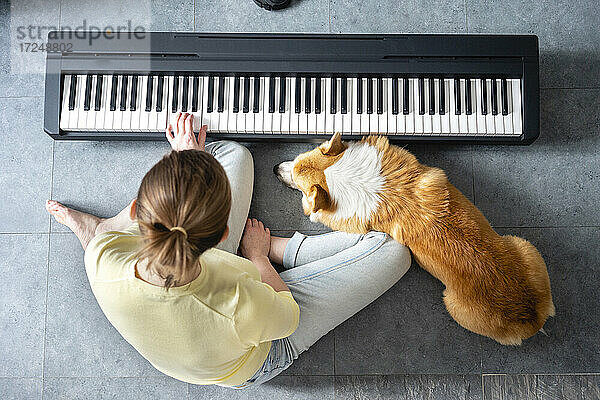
(217, 329)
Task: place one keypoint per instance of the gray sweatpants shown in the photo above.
(331, 276)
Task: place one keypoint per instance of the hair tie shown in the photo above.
(180, 229)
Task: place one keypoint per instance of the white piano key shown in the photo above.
(481, 125)
(199, 113)
(276, 116)
(410, 118)
(516, 108)
(427, 120)
(136, 115)
(355, 116)
(436, 119)
(179, 94)
(189, 97)
(162, 119)
(267, 116)
(462, 118)
(364, 117)
(498, 118)
(81, 123)
(303, 117)
(489, 118)
(231, 116)
(454, 124)
(508, 122)
(418, 117)
(321, 117)
(329, 117)
(312, 116)
(347, 118)
(264, 93)
(145, 115)
(286, 116)
(448, 111)
(400, 117)
(99, 115)
(472, 127)
(240, 116)
(64, 108)
(211, 118)
(383, 118)
(223, 116)
(250, 115)
(117, 114)
(90, 117)
(338, 120)
(374, 117)
(153, 115)
(126, 115)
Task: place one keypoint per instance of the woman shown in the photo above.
(166, 274)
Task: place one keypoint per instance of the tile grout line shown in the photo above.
(47, 275)
(329, 15)
(482, 388)
(193, 30)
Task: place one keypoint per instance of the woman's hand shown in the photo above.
(184, 138)
(256, 241)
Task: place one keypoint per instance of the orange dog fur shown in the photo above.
(496, 286)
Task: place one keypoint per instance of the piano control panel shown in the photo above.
(474, 94)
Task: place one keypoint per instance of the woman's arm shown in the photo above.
(255, 246)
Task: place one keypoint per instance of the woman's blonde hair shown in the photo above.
(189, 190)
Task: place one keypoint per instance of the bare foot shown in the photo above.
(82, 224)
(277, 248)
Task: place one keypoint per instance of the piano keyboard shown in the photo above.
(294, 105)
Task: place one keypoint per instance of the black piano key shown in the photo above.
(72, 91)
(149, 90)
(379, 96)
(272, 94)
(318, 96)
(195, 88)
(133, 97)
(236, 94)
(282, 94)
(359, 96)
(211, 94)
(468, 99)
(484, 107)
(504, 95)
(159, 93)
(457, 106)
(421, 96)
(333, 108)
(185, 94)
(175, 93)
(123, 104)
(442, 97)
(431, 96)
(255, 104)
(246, 105)
(369, 96)
(98, 99)
(395, 97)
(344, 96)
(113, 93)
(494, 97)
(88, 93)
(405, 97)
(221, 99)
(297, 95)
(307, 102)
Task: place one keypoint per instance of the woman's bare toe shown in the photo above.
(82, 224)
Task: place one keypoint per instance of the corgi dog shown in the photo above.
(496, 286)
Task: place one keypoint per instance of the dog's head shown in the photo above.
(307, 174)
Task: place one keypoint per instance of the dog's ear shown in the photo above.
(333, 146)
(318, 199)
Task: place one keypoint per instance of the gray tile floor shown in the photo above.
(55, 343)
